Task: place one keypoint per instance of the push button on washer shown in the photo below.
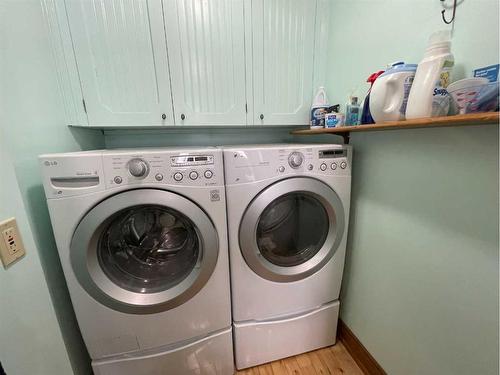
(158, 177)
(333, 166)
(343, 165)
(323, 167)
(178, 176)
(208, 173)
(193, 175)
(118, 180)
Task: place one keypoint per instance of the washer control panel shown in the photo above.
(192, 168)
(263, 162)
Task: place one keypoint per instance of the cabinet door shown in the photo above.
(282, 60)
(207, 61)
(121, 55)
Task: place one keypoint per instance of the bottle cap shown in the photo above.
(396, 63)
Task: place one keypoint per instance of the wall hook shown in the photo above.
(452, 15)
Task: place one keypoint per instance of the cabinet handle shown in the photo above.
(183, 116)
(261, 116)
(164, 116)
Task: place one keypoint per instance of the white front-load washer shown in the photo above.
(142, 239)
(288, 211)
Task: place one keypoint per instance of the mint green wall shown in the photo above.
(369, 34)
(421, 280)
(33, 123)
(196, 136)
(30, 339)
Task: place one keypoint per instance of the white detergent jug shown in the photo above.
(389, 94)
(318, 109)
(428, 95)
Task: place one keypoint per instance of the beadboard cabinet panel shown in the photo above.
(148, 63)
(121, 55)
(207, 61)
(282, 59)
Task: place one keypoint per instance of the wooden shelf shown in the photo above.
(433, 122)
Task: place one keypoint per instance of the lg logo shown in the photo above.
(50, 163)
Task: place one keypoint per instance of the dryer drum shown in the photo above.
(292, 229)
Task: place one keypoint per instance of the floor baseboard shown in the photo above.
(358, 352)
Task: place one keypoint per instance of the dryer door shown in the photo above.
(291, 229)
(144, 251)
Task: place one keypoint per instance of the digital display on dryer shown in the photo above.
(328, 154)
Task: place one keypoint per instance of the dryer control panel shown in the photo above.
(267, 161)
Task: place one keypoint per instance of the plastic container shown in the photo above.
(465, 93)
(390, 91)
(428, 96)
(487, 100)
(318, 109)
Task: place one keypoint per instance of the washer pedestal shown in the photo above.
(209, 355)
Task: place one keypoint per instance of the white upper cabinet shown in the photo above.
(121, 56)
(282, 57)
(206, 50)
(188, 62)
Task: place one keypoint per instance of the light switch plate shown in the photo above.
(11, 243)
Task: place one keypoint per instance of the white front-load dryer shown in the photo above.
(142, 239)
(288, 211)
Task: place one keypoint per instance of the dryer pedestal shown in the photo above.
(266, 341)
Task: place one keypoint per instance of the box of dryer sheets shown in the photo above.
(487, 99)
(490, 72)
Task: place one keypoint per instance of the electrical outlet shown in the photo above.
(11, 243)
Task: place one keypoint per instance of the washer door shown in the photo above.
(144, 251)
(291, 229)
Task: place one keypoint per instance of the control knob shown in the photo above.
(295, 159)
(138, 168)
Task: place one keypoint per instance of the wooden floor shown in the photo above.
(333, 360)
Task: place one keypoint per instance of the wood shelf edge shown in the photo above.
(459, 120)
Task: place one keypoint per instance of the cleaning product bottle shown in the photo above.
(352, 111)
(389, 94)
(428, 95)
(366, 116)
(319, 108)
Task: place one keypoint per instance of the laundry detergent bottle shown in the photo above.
(428, 95)
(319, 108)
(389, 94)
(366, 116)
